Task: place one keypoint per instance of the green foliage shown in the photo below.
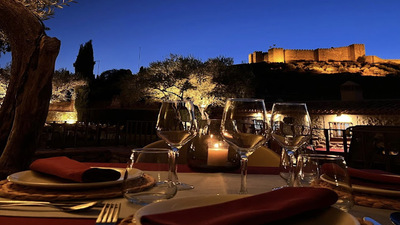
(65, 85)
(4, 80)
(81, 100)
(168, 79)
(108, 85)
(234, 82)
(43, 9)
(179, 77)
(84, 63)
(4, 45)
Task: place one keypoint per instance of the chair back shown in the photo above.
(375, 147)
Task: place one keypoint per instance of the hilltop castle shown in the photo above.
(349, 53)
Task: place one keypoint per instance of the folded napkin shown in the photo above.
(70, 169)
(256, 209)
(374, 178)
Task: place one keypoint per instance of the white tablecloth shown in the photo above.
(205, 184)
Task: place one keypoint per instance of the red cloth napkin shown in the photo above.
(374, 178)
(256, 209)
(70, 169)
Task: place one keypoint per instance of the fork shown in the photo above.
(109, 214)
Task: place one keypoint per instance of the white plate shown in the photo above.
(332, 216)
(35, 179)
(365, 189)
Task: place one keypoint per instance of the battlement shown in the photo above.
(301, 50)
(346, 53)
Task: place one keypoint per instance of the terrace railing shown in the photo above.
(131, 133)
(140, 133)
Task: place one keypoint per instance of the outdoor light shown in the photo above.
(342, 118)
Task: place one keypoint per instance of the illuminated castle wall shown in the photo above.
(348, 53)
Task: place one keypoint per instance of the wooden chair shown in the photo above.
(375, 147)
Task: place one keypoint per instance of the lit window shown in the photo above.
(337, 128)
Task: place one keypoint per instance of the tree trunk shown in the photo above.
(25, 106)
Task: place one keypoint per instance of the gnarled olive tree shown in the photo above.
(25, 107)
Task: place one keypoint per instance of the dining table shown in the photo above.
(259, 180)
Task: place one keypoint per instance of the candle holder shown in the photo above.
(209, 152)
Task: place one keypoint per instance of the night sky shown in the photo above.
(128, 34)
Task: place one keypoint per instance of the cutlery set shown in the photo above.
(108, 215)
(110, 211)
(63, 206)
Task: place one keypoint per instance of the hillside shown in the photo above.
(365, 69)
(322, 81)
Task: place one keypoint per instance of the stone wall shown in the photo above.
(347, 53)
(335, 54)
(293, 55)
(320, 122)
(62, 111)
(376, 59)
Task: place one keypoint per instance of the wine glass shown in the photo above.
(291, 128)
(326, 171)
(176, 125)
(151, 186)
(244, 126)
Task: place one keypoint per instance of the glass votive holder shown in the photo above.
(326, 171)
(209, 152)
(284, 165)
(157, 179)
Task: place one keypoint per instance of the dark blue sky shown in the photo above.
(127, 34)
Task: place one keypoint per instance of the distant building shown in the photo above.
(349, 53)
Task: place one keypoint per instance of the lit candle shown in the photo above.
(217, 152)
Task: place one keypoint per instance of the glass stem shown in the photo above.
(174, 165)
(243, 174)
(172, 175)
(292, 167)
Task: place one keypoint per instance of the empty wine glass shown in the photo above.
(244, 127)
(161, 184)
(326, 171)
(176, 125)
(291, 128)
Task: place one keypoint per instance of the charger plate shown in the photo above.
(11, 190)
(367, 199)
(365, 189)
(40, 180)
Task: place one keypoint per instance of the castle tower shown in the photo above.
(256, 57)
(276, 55)
(356, 51)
